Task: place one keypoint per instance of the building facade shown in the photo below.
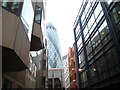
(19, 37)
(53, 46)
(66, 72)
(97, 41)
(42, 69)
(72, 70)
(55, 78)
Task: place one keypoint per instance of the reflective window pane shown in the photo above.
(95, 40)
(109, 59)
(99, 16)
(116, 14)
(104, 30)
(79, 43)
(97, 10)
(83, 17)
(88, 48)
(14, 6)
(77, 30)
(91, 21)
(85, 31)
(109, 1)
(92, 28)
(81, 57)
(83, 77)
(38, 14)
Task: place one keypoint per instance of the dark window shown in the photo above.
(112, 61)
(81, 57)
(84, 79)
(109, 59)
(116, 14)
(96, 42)
(38, 14)
(104, 30)
(7, 84)
(19, 87)
(101, 65)
(89, 48)
(14, 6)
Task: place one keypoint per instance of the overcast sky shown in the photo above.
(62, 14)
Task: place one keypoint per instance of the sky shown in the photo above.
(28, 17)
(62, 13)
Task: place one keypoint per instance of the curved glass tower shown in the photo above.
(53, 46)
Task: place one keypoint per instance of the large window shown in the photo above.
(85, 31)
(98, 70)
(14, 6)
(89, 48)
(84, 79)
(77, 30)
(112, 62)
(109, 1)
(38, 14)
(116, 14)
(81, 57)
(7, 84)
(103, 29)
(104, 33)
(79, 43)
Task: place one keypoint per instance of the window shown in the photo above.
(14, 6)
(91, 21)
(103, 30)
(81, 57)
(77, 30)
(85, 31)
(101, 64)
(84, 79)
(109, 59)
(95, 39)
(83, 18)
(79, 43)
(88, 8)
(38, 14)
(115, 59)
(116, 14)
(92, 28)
(112, 61)
(88, 48)
(98, 12)
(109, 1)
(7, 84)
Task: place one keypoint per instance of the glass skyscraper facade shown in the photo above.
(53, 46)
(97, 43)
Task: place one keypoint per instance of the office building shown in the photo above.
(72, 71)
(97, 44)
(21, 33)
(53, 46)
(55, 78)
(66, 72)
(42, 69)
